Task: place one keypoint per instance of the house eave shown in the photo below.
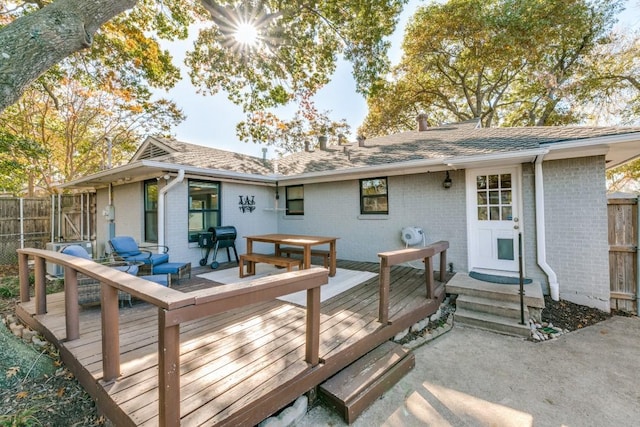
(617, 149)
(393, 169)
(496, 159)
(415, 167)
(147, 169)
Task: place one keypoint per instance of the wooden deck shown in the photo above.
(237, 367)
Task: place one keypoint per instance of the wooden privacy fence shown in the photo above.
(623, 253)
(34, 221)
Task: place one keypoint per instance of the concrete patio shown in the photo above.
(470, 377)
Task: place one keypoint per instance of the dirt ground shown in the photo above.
(37, 390)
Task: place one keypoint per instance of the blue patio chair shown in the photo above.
(157, 263)
(89, 288)
(127, 249)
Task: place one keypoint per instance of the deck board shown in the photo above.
(233, 360)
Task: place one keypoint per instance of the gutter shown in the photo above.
(161, 202)
(554, 287)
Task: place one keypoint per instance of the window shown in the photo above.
(204, 207)
(373, 196)
(151, 211)
(494, 197)
(295, 200)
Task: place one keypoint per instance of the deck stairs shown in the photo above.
(494, 307)
(357, 386)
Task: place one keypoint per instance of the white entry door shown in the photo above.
(493, 200)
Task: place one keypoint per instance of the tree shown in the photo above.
(505, 62)
(71, 122)
(14, 161)
(299, 43)
(71, 109)
(625, 178)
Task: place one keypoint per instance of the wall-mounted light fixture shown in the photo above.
(447, 181)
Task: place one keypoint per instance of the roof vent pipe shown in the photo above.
(264, 154)
(361, 140)
(422, 122)
(322, 140)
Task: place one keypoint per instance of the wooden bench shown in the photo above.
(252, 258)
(325, 255)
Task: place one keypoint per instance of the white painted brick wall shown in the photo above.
(128, 201)
(333, 209)
(259, 221)
(576, 221)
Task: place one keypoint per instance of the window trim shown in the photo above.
(191, 182)
(145, 185)
(287, 200)
(363, 196)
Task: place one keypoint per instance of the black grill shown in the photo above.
(216, 238)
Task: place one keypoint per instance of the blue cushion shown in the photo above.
(147, 258)
(131, 269)
(160, 279)
(168, 267)
(125, 246)
(76, 250)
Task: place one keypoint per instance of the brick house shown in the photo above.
(480, 189)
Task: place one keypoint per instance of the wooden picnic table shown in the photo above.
(306, 242)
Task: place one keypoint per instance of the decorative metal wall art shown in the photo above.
(247, 204)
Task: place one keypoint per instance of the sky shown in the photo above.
(211, 120)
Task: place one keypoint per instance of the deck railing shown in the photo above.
(426, 253)
(174, 308)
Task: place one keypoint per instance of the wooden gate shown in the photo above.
(32, 222)
(623, 253)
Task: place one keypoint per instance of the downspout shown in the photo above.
(554, 287)
(638, 263)
(161, 194)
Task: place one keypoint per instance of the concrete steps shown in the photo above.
(494, 307)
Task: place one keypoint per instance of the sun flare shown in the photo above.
(246, 34)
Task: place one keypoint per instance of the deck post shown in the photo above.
(443, 265)
(71, 303)
(428, 276)
(385, 277)
(313, 326)
(40, 285)
(110, 332)
(168, 371)
(23, 269)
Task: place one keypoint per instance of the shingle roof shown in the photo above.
(447, 141)
(183, 153)
(455, 140)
